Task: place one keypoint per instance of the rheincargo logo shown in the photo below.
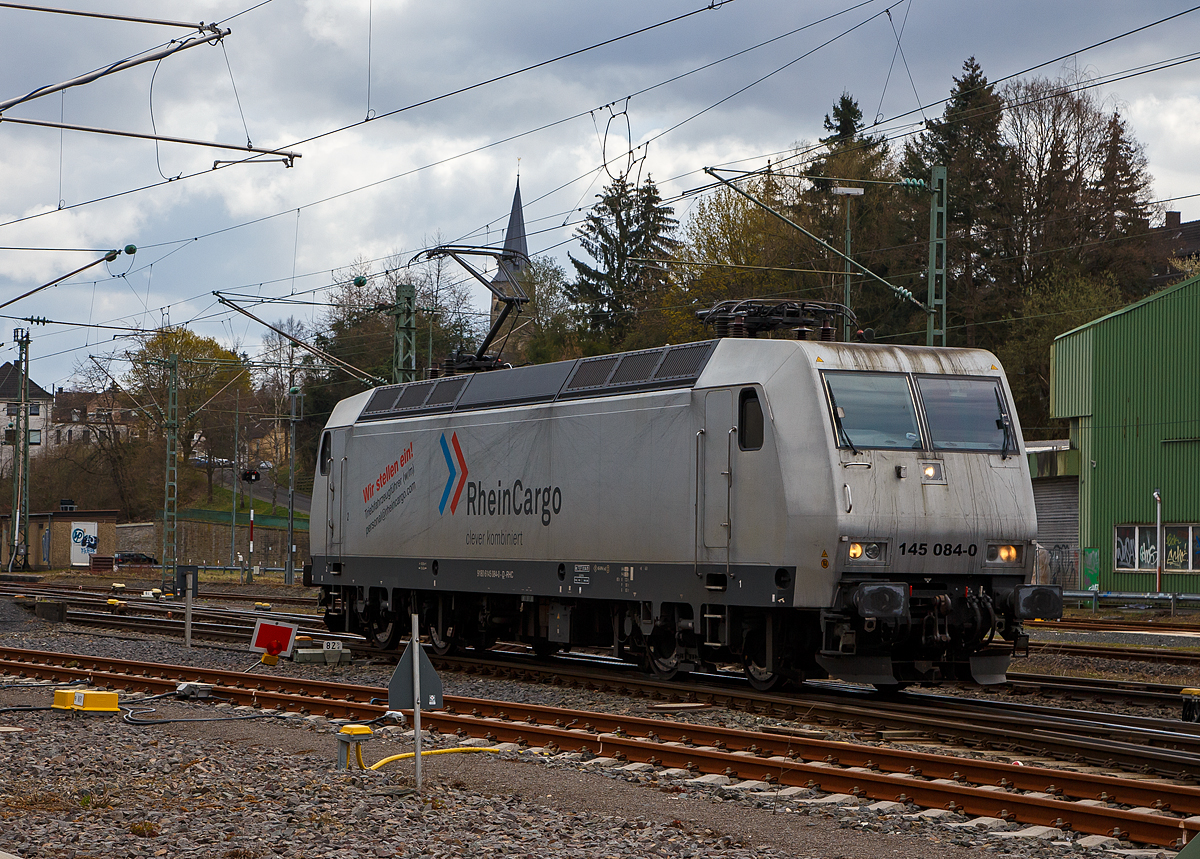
(517, 500)
(454, 474)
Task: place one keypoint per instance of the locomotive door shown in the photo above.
(718, 468)
(335, 503)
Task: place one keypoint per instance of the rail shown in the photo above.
(1154, 812)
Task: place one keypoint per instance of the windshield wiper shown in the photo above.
(837, 420)
(1004, 422)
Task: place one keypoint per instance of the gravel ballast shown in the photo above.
(80, 786)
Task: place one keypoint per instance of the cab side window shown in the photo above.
(750, 420)
(326, 457)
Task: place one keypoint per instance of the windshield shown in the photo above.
(873, 410)
(966, 414)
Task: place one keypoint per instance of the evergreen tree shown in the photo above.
(1123, 245)
(968, 141)
(846, 122)
(626, 228)
(1083, 193)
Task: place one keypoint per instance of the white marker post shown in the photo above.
(415, 643)
(187, 609)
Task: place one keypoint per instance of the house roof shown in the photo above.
(1129, 308)
(1180, 241)
(10, 385)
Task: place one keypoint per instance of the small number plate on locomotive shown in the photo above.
(940, 549)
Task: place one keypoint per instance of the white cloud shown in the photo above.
(301, 69)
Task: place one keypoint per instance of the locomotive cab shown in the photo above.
(936, 522)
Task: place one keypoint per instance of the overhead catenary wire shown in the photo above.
(108, 16)
(408, 172)
(172, 48)
(158, 138)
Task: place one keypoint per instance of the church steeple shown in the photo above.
(514, 241)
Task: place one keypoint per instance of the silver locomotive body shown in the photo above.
(803, 508)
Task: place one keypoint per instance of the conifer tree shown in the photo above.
(967, 140)
(627, 228)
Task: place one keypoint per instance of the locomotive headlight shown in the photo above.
(865, 552)
(1001, 554)
(931, 472)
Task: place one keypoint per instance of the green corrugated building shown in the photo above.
(1129, 383)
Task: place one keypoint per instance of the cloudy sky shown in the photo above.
(732, 85)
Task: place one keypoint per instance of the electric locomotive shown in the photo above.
(803, 508)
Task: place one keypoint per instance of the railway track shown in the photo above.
(1157, 655)
(727, 689)
(97, 598)
(1135, 744)
(134, 593)
(1148, 811)
(1109, 625)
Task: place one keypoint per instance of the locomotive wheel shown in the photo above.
(761, 678)
(384, 631)
(662, 654)
(442, 642)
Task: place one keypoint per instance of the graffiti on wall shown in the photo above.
(1126, 552)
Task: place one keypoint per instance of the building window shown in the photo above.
(58, 436)
(1137, 548)
(35, 409)
(69, 433)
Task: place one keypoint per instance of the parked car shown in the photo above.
(127, 559)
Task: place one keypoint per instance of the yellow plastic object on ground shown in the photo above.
(406, 755)
(1191, 704)
(352, 735)
(85, 700)
(268, 659)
